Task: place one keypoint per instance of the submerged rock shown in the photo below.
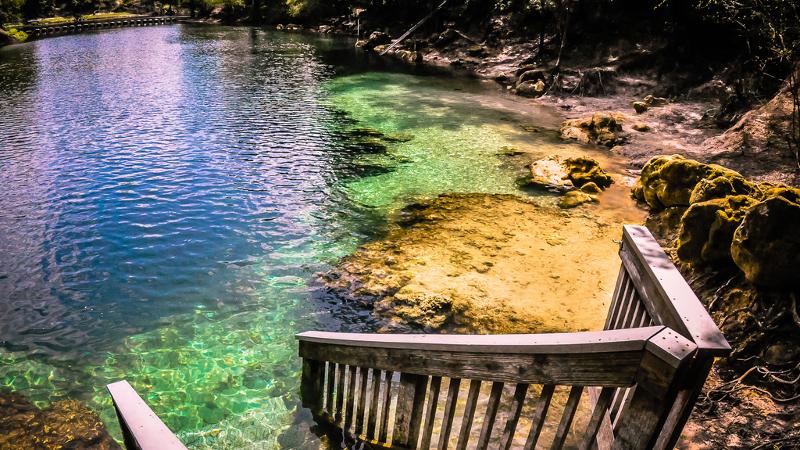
(573, 199)
(66, 424)
(601, 128)
(707, 228)
(766, 246)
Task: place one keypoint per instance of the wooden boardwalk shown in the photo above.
(86, 25)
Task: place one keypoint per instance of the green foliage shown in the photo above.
(10, 10)
(18, 35)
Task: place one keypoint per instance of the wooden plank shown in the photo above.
(140, 425)
(340, 371)
(539, 415)
(469, 414)
(311, 392)
(515, 410)
(351, 397)
(594, 369)
(548, 343)
(385, 405)
(636, 304)
(599, 413)
(330, 405)
(362, 400)
(449, 413)
(408, 415)
(616, 296)
(491, 415)
(566, 417)
(374, 404)
(624, 304)
(430, 413)
(677, 305)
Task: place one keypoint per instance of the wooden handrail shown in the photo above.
(141, 427)
(667, 295)
(647, 358)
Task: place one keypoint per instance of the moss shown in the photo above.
(707, 229)
(672, 180)
(584, 170)
(17, 35)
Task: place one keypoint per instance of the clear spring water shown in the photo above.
(167, 193)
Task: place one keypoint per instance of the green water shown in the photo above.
(169, 194)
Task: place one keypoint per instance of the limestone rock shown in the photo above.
(641, 127)
(671, 181)
(601, 128)
(766, 246)
(653, 101)
(707, 228)
(550, 173)
(591, 188)
(531, 88)
(564, 175)
(573, 199)
(375, 39)
(639, 107)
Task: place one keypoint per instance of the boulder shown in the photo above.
(641, 127)
(565, 175)
(671, 181)
(707, 228)
(601, 128)
(534, 74)
(531, 88)
(591, 188)
(573, 199)
(550, 173)
(653, 101)
(639, 107)
(766, 246)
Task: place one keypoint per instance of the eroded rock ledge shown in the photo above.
(487, 264)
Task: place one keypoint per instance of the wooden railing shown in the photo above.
(634, 384)
(642, 374)
(37, 30)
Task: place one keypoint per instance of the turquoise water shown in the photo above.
(167, 194)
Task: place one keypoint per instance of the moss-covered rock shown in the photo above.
(653, 101)
(591, 188)
(531, 88)
(766, 246)
(584, 170)
(707, 228)
(672, 180)
(601, 128)
(639, 107)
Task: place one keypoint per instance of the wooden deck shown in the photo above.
(86, 25)
(641, 374)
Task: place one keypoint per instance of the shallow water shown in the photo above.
(167, 193)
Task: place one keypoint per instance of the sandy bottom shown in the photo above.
(491, 264)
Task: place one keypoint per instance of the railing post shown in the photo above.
(661, 375)
(408, 416)
(695, 378)
(311, 385)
